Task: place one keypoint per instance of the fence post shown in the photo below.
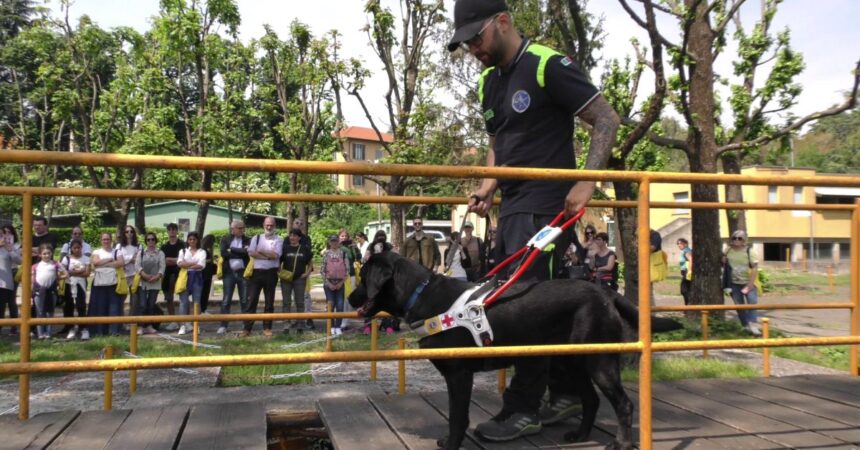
(805, 266)
(108, 404)
(503, 380)
(830, 281)
(644, 228)
(401, 369)
(374, 345)
(705, 332)
(132, 348)
(26, 294)
(195, 333)
(765, 334)
(855, 286)
(788, 259)
(328, 343)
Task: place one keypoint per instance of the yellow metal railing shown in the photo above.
(645, 179)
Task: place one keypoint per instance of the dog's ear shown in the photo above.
(379, 274)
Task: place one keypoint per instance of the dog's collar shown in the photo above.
(414, 297)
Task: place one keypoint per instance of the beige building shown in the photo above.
(771, 233)
(360, 145)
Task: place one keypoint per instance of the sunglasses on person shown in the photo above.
(737, 238)
(150, 239)
(478, 38)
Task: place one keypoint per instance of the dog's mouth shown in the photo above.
(365, 309)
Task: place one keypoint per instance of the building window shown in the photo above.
(771, 194)
(358, 152)
(380, 153)
(798, 194)
(358, 180)
(682, 197)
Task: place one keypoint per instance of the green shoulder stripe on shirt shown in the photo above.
(484, 75)
(544, 53)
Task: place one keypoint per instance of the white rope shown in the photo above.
(183, 341)
(306, 372)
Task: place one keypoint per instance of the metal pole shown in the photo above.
(503, 380)
(195, 334)
(855, 286)
(328, 343)
(644, 234)
(26, 295)
(401, 369)
(374, 345)
(705, 332)
(108, 404)
(132, 347)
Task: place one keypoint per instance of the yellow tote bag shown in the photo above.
(357, 266)
(181, 281)
(135, 283)
(61, 286)
(121, 282)
(659, 268)
(219, 268)
(347, 286)
(249, 269)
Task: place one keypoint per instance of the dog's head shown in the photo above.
(387, 282)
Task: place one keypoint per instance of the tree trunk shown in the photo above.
(701, 142)
(203, 205)
(736, 218)
(398, 232)
(627, 222)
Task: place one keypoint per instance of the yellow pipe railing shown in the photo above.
(645, 179)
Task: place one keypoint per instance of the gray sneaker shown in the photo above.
(515, 425)
(559, 409)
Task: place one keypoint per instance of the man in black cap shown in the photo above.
(529, 96)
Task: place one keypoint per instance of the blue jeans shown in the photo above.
(194, 289)
(233, 279)
(146, 302)
(746, 316)
(45, 299)
(105, 302)
(336, 299)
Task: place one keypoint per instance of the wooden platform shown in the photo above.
(792, 412)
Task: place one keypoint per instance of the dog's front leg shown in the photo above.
(459, 384)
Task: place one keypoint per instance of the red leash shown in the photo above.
(536, 249)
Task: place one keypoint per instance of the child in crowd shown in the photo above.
(46, 275)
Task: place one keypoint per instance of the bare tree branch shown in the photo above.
(644, 24)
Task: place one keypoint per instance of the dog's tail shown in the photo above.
(630, 313)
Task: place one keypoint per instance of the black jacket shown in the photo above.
(228, 253)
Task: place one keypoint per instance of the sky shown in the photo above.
(824, 31)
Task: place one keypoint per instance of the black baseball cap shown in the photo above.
(469, 16)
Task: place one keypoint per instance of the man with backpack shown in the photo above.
(529, 97)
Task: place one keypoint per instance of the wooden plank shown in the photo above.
(91, 430)
(35, 433)
(353, 423)
(150, 429)
(418, 424)
(477, 415)
(832, 419)
(732, 415)
(834, 389)
(225, 426)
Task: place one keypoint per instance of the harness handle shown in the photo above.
(490, 299)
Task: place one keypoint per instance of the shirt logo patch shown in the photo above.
(566, 61)
(521, 101)
(489, 114)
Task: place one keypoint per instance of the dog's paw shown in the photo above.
(576, 436)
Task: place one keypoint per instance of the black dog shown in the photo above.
(551, 312)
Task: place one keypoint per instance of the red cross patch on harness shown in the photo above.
(447, 321)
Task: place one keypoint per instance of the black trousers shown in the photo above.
(686, 286)
(265, 280)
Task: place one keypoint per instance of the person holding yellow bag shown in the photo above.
(743, 263)
(10, 258)
(129, 246)
(150, 266)
(295, 259)
(104, 301)
(193, 259)
(266, 251)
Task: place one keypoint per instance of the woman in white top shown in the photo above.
(104, 300)
(10, 258)
(453, 258)
(129, 247)
(78, 266)
(192, 258)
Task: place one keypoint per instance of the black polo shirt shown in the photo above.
(529, 108)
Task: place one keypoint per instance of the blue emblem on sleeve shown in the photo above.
(521, 101)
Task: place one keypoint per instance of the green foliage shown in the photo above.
(675, 369)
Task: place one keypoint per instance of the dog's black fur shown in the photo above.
(551, 312)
